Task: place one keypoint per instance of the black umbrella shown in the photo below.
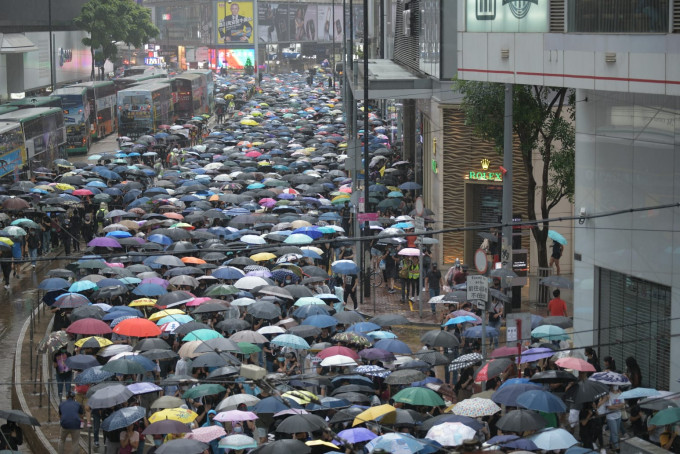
(159, 354)
(305, 330)
(81, 362)
(349, 317)
(279, 292)
(230, 324)
(283, 447)
(265, 310)
(18, 417)
(553, 376)
(166, 426)
(389, 320)
(355, 398)
(405, 376)
(433, 358)
(585, 391)
(174, 299)
(519, 421)
(210, 359)
(352, 389)
(151, 343)
(345, 415)
(182, 446)
(301, 423)
(82, 312)
(439, 338)
(185, 329)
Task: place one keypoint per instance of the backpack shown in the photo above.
(100, 216)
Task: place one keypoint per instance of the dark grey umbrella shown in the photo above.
(174, 299)
(439, 338)
(82, 312)
(405, 376)
(301, 423)
(210, 359)
(562, 322)
(219, 344)
(110, 396)
(279, 292)
(283, 447)
(166, 426)
(432, 358)
(389, 320)
(124, 366)
(159, 354)
(349, 317)
(519, 421)
(298, 291)
(231, 324)
(18, 417)
(553, 376)
(305, 330)
(264, 310)
(585, 391)
(151, 343)
(352, 389)
(345, 415)
(182, 446)
(185, 329)
(207, 308)
(123, 418)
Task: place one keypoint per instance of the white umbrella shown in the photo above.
(250, 282)
(338, 360)
(112, 350)
(410, 252)
(253, 239)
(451, 433)
(231, 402)
(271, 330)
(242, 301)
(553, 439)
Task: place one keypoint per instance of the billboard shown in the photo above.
(231, 58)
(303, 26)
(329, 23)
(272, 22)
(234, 22)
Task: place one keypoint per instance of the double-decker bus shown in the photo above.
(122, 83)
(4, 108)
(43, 134)
(101, 98)
(137, 70)
(12, 150)
(36, 101)
(195, 93)
(141, 109)
(76, 115)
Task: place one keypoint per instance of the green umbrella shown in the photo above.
(419, 396)
(221, 290)
(665, 417)
(206, 389)
(26, 223)
(247, 348)
(201, 335)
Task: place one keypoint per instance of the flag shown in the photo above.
(382, 171)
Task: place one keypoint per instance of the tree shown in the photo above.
(543, 121)
(111, 21)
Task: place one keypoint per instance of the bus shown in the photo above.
(12, 150)
(43, 134)
(5, 108)
(141, 109)
(138, 70)
(101, 98)
(195, 93)
(76, 115)
(126, 82)
(36, 101)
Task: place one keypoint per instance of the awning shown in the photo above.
(387, 79)
(14, 43)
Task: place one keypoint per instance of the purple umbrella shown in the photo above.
(102, 241)
(376, 354)
(534, 354)
(156, 280)
(356, 435)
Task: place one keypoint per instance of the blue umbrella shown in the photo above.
(290, 341)
(126, 310)
(227, 272)
(160, 239)
(460, 319)
(511, 442)
(309, 310)
(357, 435)
(92, 375)
(149, 290)
(320, 321)
(123, 417)
(119, 234)
(637, 393)
(553, 439)
(81, 286)
(558, 238)
(476, 332)
(396, 443)
(514, 381)
(394, 346)
(313, 232)
(81, 362)
(145, 362)
(345, 267)
(508, 395)
(143, 388)
(110, 282)
(274, 405)
(538, 399)
(54, 283)
(409, 186)
(363, 327)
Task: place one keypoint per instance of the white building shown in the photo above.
(623, 59)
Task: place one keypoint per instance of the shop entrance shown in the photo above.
(483, 205)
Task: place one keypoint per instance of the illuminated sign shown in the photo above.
(484, 174)
(151, 61)
(167, 16)
(509, 16)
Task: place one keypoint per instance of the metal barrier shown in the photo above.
(543, 290)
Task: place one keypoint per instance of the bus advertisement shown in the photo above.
(12, 150)
(43, 131)
(143, 108)
(76, 114)
(101, 98)
(195, 93)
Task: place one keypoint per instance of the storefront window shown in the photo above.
(634, 320)
(618, 16)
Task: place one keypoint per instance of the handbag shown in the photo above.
(382, 265)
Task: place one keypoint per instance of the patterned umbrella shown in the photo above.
(53, 341)
(396, 443)
(476, 407)
(464, 361)
(372, 371)
(451, 433)
(352, 338)
(206, 434)
(610, 378)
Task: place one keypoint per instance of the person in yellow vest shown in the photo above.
(414, 278)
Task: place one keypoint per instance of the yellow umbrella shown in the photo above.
(176, 414)
(160, 314)
(248, 122)
(64, 186)
(143, 302)
(340, 197)
(321, 443)
(263, 256)
(302, 397)
(103, 342)
(6, 240)
(342, 145)
(387, 411)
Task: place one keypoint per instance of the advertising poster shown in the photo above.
(303, 25)
(231, 58)
(234, 22)
(273, 22)
(328, 24)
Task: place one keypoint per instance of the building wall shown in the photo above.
(627, 156)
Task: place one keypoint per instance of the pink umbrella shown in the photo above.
(410, 252)
(197, 301)
(155, 280)
(253, 154)
(575, 364)
(206, 434)
(88, 326)
(505, 351)
(82, 192)
(267, 202)
(235, 416)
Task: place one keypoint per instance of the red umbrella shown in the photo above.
(338, 350)
(89, 326)
(82, 192)
(15, 204)
(176, 216)
(575, 364)
(505, 351)
(137, 327)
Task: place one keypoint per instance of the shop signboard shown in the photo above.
(507, 16)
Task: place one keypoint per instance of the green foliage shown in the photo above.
(111, 21)
(543, 121)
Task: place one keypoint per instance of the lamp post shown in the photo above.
(49, 27)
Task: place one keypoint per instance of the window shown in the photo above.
(618, 16)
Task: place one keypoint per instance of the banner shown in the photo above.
(272, 22)
(303, 26)
(329, 24)
(234, 22)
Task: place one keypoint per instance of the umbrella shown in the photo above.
(205, 389)
(137, 327)
(507, 395)
(394, 346)
(464, 361)
(448, 417)
(109, 396)
(123, 417)
(550, 332)
(666, 416)
(53, 341)
(553, 439)
(206, 434)
(475, 407)
(291, 341)
(492, 369)
(535, 354)
(239, 441)
(283, 447)
(419, 396)
(18, 417)
(92, 375)
(557, 282)
(451, 433)
(404, 377)
(637, 393)
(55, 283)
(301, 423)
(231, 402)
(182, 446)
(585, 391)
(143, 388)
(439, 338)
(235, 416)
(265, 310)
(610, 378)
(356, 435)
(181, 415)
(575, 364)
(344, 267)
(553, 376)
(557, 237)
(88, 326)
(540, 400)
(519, 421)
(167, 402)
(81, 362)
(395, 443)
(124, 366)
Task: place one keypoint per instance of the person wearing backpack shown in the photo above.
(100, 216)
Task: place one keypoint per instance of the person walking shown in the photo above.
(557, 307)
(350, 289)
(69, 419)
(33, 244)
(556, 255)
(434, 282)
(6, 264)
(62, 371)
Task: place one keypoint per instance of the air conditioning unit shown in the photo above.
(406, 20)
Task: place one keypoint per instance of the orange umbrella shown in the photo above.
(137, 327)
(172, 215)
(193, 260)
